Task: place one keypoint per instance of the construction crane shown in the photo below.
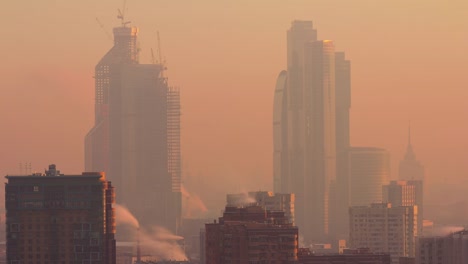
(121, 15)
(104, 29)
(152, 57)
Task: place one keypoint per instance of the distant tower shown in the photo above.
(280, 134)
(320, 137)
(304, 128)
(410, 167)
(339, 210)
(136, 135)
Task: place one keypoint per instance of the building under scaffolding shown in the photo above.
(136, 136)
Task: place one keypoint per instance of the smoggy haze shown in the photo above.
(409, 62)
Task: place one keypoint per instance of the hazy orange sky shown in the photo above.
(409, 62)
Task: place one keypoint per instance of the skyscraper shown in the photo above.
(320, 148)
(136, 136)
(57, 218)
(339, 211)
(304, 128)
(410, 167)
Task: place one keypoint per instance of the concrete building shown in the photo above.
(449, 249)
(271, 201)
(136, 135)
(369, 171)
(251, 235)
(405, 193)
(349, 256)
(57, 218)
(383, 228)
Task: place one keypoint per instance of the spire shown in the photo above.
(409, 149)
(409, 133)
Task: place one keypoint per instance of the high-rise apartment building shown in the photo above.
(304, 128)
(57, 218)
(251, 234)
(405, 193)
(369, 170)
(449, 249)
(271, 201)
(136, 136)
(384, 228)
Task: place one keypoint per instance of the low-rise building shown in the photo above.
(251, 234)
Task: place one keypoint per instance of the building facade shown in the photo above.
(251, 235)
(405, 193)
(56, 218)
(271, 201)
(449, 249)
(383, 228)
(136, 135)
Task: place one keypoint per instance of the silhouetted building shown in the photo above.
(449, 249)
(251, 235)
(369, 171)
(383, 228)
(57, 218)
(136, 135)
(271, 201)
(350, 256)
(405, 193)
(339, 200)
(304, 128)
(410, 168)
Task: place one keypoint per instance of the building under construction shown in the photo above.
(136, 135)
(56, 218)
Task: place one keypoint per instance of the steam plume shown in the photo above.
(123, 216)
(192, 203)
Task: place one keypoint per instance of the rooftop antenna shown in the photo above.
(121, 15)
(159, 50)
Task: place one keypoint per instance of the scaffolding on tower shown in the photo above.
(173, 137)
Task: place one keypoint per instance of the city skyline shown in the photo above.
(384, 127)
